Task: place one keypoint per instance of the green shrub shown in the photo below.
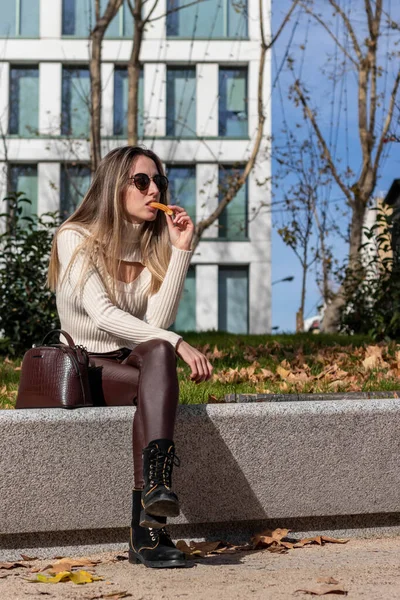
(27, 306)
(374, 307)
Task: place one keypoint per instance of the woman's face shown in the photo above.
(137, 202)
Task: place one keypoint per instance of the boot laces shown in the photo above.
(155, 534)
(161, 463)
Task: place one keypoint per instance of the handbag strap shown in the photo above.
(69, 339)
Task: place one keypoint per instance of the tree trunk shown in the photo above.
(134, 75)
(331, 318)
(95, 102)
(300, 312)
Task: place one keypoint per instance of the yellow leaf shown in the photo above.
(62, 576)
(83, 577)
(283, 373)
(77, 577)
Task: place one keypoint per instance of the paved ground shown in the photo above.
(366, 569)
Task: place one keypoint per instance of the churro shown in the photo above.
(161, 207)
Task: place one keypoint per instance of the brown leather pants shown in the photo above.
(147, 377)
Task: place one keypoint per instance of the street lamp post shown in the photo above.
(288, 278)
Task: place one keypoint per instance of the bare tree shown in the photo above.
(304, 227)
(96, 37)
(236, 183)
(362, 56)
(140, 22)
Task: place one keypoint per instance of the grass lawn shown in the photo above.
(301, 363)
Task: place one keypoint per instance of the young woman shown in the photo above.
(118, 267)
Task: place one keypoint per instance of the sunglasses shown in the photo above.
(142, 182)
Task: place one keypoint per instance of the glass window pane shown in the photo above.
(24, 101)
(75, 181)
(233, 221)
(127, 21)
(237, 19)
(181, 102)
(8, 21)
(75, 102)
(121, 102)
(79, 18)
(182, 185)
(233, 299)
(29, 18)
(210, 19)
(233, 121)
(186, 317)
(23, 178)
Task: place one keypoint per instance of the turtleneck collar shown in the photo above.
(131, 234)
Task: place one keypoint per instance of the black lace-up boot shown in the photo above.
(152, 547)
(158, 459)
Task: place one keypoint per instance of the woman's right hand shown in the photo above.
(201, 368)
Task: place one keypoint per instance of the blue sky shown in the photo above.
(319, 55)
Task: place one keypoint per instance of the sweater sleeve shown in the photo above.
(163, 306)
(96, 301)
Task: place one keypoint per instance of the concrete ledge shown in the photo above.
(243, 466)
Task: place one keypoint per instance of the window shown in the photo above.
(233, 121)
(233, 220)
(24, 101)
(182, 185)
(181, 102)
(186, 317)
(233, 299)
(121, 102)
(75, 101)
(210, 19)
(23, 178)
(75, 181)
(78, 19)
(19, 18)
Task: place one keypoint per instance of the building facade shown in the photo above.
(197, 111)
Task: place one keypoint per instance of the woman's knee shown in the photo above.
(157, 349)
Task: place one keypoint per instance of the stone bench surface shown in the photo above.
(69, 470)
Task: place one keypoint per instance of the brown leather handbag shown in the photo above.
(55, 375)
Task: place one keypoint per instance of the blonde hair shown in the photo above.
(102, 213)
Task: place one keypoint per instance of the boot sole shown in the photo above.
(135, 559)
(162, 508)
(150, 521)
(150, 524)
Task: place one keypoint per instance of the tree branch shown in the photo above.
(280, 29)
(103, 21)
(328, 157)
(240, 181)
(348, 27)
(169, 12)
(328, 30)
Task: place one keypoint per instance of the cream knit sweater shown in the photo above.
(90, 317)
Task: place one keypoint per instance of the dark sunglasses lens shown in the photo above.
(161, 182)
(142, 181)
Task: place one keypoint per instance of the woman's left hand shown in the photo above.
(180, 228)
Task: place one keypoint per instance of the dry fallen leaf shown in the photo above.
(330, 580)
(111, 596)
(27, 558)
(283, 373)
(78, 577)
(198, 548)
(66, 564)
(12, 565)
(321, 590)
